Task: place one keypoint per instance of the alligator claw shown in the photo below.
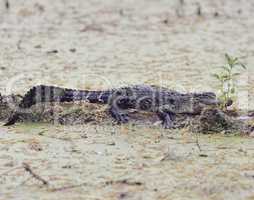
(167, 124)
(122, 118)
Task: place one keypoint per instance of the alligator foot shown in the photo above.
(119, 116)
(12, 119)
(167, 119)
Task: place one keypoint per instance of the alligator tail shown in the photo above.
(43, 93)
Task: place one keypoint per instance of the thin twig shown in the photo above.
(19, 44)
(34, 175)
(197, 142)
(10, 170)
(67, 187)
(199, 10)
(7, 4)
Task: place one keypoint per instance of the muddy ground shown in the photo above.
(100, 44)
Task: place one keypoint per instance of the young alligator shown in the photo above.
(166, 103)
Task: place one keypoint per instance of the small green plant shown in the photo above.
(227, 81)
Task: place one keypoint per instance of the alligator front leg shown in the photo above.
(167, 118)
(120, 116)
(118, 107)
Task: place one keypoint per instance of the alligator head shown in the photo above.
(201, 100)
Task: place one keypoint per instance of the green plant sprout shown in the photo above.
(227, 81)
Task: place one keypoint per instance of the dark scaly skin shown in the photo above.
(166, 103)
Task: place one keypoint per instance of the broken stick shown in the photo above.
(34, 175)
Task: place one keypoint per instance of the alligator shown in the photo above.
(164, 102)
